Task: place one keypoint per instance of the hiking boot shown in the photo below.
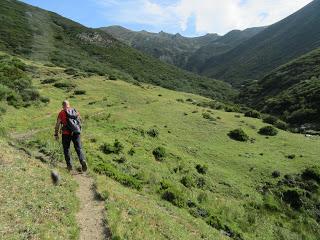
(69, 168)
(84, 166)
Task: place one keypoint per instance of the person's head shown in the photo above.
(65, 104)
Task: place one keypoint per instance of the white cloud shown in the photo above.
(214, 16)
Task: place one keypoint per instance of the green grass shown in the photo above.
(31, 206)
(225, 197)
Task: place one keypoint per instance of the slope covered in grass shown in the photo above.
(292, 91)
(31, 206)
(276, 45)
(168, 169)
(48, 37)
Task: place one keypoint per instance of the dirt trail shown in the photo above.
(91, 214)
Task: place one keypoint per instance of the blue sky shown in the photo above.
(187, 17)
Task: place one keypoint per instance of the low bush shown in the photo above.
(208, 116)
(153, 132)
(116, 148)
(64, 85)
(132, 151)
(45, 99)
(238, 135)
(121, 159)
(79, 92)
(201, 183)
(112, 172)
(276, 174)
(268, 131)
(311, 173)
(159, 153)
(202, 169)
(270, 120)
(252, 114)
(172, 194)
(188, 181)
(281, 125)
(112, 77)
(49, 81)
(71, 71)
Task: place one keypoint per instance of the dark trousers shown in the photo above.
(66, 140)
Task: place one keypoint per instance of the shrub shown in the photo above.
(252, 114)
(48, 81)
(293, 198)
(202, 197)
(270, 120)
(159, 153)
(281, 125)
(291, 156)
(172, 194)
(188, 181)
(71, 71)
(238, 135)
(121, 159)
(112, 172)
(45, 99)
(311, 173)
(208, 116)
(276, 174)
(268, 131)
(153, 132)
(79, 92)
(116, 148)
(201, 182)
(112, 77)
(202, 169)
(64, 85)
(131, 151)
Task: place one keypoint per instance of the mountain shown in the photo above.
(276, 45)
(45, 36)
(291, 91)
(161, 165)
(221, 45)
(171, 48)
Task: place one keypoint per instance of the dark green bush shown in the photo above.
(268, 131)
(311, 173)
(79, 92)
(208, 116)
(153, 132)
(116, 148)
(112, 172)
(45, 99)
(64, 85)
(202, 169)
(159, 153)
(172, 194)
(281, 125)
(238, 135)
(270, 120)
(71, 71)
(112, 77)
(252, 114)
(188, 181)
(49, 81)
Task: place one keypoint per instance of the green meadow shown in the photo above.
(166, 167)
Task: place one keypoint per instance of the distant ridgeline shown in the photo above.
(45, 36)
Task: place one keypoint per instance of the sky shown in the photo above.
(187, 17)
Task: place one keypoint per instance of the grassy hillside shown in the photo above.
(31, 207)
(173, 172)
(48, 37)
(278, 44)
(220, 46)
(173, 49)
(292, 91)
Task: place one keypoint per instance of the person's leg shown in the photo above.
(66, 139)
(76, 139)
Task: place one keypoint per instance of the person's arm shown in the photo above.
(57, 128)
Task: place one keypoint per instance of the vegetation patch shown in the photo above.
(268, 131)
(252, 114)
(115, 148)
(238, 135)
(153, 132)
(159, 153)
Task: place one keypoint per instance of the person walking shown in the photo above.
(69, 124)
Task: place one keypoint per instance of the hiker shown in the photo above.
(69, 124)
